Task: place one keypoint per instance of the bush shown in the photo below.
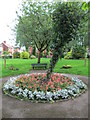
(5, 54)
(78, 52)
(24, 55)
(68, 56)
(33, 57)
(16, 55)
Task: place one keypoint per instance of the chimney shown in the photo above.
(4, 41)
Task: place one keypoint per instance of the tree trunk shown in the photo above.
(52, 65)
(39, 56)
(5, 61)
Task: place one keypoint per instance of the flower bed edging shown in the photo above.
(60, 95)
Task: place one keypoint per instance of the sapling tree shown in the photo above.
(35, 25)
(5, 53)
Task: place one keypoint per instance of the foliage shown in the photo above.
(82, 33)
(33, 57)
(6, 54)
(66, 19)
(34, 51)
(35, 25)
(16, 55)
(78, 52)
(24, 55)
(32, 87)
(68, 56)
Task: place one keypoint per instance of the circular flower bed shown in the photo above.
(35, 87)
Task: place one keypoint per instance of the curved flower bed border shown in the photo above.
(40, 96)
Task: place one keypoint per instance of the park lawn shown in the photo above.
(24, 66)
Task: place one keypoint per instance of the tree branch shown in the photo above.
(46, 46)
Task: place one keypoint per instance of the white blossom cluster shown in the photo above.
(70, 91)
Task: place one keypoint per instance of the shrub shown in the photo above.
(5, 54)
(33, 57)
(78, 52)
(24, 55)
(68, 56)
(16, 55)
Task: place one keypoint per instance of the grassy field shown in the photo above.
(24, 66)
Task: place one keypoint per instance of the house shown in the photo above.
(7, 47)
(0, 50)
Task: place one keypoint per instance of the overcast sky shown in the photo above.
(7, 16)
(8, 10)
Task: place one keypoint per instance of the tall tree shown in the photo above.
(66, 20)
(35, 25)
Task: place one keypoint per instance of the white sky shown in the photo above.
(8, 10)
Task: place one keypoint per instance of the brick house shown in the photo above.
(7, 47)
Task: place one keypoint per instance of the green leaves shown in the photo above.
(66, 20)
(35, 25)
(85, 5)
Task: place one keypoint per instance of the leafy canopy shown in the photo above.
(66, 21)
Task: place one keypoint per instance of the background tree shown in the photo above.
(66, 21)
(35, 26)
(22, 34)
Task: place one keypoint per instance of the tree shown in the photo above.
(78, 52)
(66, 21)
(35, 26)
(22, 34)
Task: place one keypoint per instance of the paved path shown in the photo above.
(14, 108)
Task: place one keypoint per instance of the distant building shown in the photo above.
(0, 49)
(7, 47)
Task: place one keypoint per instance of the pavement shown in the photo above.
(76, 108)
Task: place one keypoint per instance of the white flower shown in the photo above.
(31, 96)
(13, 92)
(49, 95)
(26, 90)
(24, 94)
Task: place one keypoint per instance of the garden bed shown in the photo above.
(33, 87)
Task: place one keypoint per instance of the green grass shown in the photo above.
(24, 66)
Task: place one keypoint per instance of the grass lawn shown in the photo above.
(24, 65)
